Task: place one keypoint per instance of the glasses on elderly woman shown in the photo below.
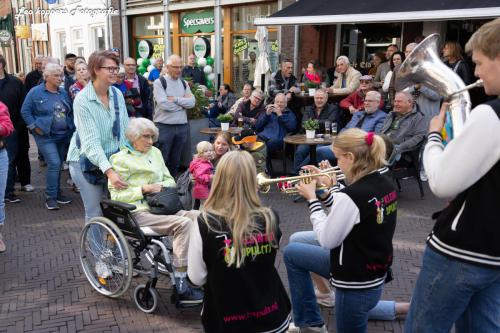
(111, 69)
(148, 137)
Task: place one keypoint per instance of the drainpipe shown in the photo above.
(125, 44)
(166, 31)
(296, 50)
(218, 40)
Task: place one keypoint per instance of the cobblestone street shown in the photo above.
(43, 288)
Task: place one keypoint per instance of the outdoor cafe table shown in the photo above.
(215, 130)
(300, 139)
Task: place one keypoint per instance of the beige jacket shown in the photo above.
(352, 82)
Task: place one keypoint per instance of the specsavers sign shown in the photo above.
(192, 23)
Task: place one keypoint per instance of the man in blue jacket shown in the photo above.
(274, 124)
(371, 119)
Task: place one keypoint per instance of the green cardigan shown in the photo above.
(138, 169)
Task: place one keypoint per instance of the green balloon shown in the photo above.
(142, 70)
(146, 62)
(210, 61)
(210, 85)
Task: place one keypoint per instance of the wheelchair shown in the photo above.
(105, 255)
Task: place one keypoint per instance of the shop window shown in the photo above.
(151, 25)
(98, 38)
(242, 17)
(61, 38)
(245, 48)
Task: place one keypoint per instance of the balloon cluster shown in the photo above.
(145, 66)
(207, 65)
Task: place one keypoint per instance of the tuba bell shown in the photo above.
(424, 66)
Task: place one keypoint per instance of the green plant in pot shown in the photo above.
(224, 120)
(201, 101)
(311, 86)
(311, 126)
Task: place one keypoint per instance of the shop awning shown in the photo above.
(370, 11)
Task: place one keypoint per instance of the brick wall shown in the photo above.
(116, 27)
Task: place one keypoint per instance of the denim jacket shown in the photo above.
(38, 109)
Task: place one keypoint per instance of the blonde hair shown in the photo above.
(367, 158)
(486, 39)
(202, 147)
(233, 199)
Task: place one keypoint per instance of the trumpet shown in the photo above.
(288, 185)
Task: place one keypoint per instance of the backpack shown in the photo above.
(185, 189)
(164, 83)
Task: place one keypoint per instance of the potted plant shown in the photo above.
(312, 87)
(225, 119)
(310, 125)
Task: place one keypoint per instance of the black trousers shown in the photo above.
(22, 160)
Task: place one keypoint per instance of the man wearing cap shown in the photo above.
(69, 71)
(355, 101)
(247, 140)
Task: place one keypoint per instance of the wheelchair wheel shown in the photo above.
(146, 301)
(105, 257)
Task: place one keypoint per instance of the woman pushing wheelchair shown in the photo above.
(140, 165)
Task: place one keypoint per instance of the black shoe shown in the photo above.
(51, 204)
(62, 199)
(12, 198)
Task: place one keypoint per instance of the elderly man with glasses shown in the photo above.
(250, 110)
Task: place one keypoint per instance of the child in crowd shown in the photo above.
(232, 252)
(247, 140)
(202, 170)
(355, 238)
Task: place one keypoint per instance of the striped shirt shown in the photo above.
(94, 123)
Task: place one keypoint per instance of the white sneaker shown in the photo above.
(28, 188)
(423, 176)
(102, 270)
(326, 300)
(294, 329)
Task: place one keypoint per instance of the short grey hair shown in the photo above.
(172, 58)
(322, 91)
(138, 126)
(344, 59)
(375, 94)
(411, 46)
(406, 94)
(281, 95)
(51, 68)
(258, 93)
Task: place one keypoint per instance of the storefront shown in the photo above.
(237, 33)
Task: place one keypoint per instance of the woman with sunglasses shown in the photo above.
(98, 136)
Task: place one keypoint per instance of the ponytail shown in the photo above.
(368, 150)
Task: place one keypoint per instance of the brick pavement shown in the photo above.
(43, 289)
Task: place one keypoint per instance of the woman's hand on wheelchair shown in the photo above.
(151, 188)
(115, 180)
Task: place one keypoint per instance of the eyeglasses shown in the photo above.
(148, 137)
(112, 69)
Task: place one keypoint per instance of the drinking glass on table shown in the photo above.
(328, 128)
(240, 122)
(334, 128)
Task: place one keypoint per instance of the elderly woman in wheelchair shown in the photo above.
(141, 166)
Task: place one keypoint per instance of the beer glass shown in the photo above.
(328, 128)
(334, 128)
(240, 122)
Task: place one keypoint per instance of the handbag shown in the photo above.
(91, 172)
(166, 202)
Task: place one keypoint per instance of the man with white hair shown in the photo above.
(274, 124)
(173, 97)
(405, 126)
(370, 119)
(347, 77)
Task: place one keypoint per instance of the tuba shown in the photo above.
(424, 66)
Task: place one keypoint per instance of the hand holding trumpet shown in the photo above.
(307, 189)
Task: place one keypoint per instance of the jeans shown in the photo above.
(54, 152)
(4, 167)
(172, 142)
(91, 194)
(302, 156)
(11, 142)
(450, 291)
(326, 153)
(384, 310)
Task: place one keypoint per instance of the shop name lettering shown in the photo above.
(198, 21)
(78, 10)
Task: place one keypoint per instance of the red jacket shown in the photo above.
(356, 99)
(202, 171)
(6, 127)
